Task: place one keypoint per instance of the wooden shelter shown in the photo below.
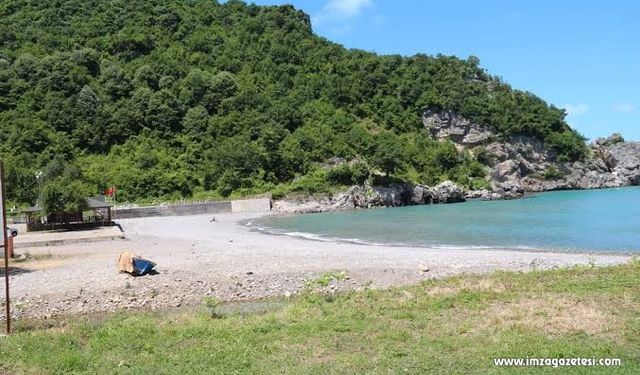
(97, 214)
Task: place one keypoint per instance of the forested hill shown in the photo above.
(171, 98)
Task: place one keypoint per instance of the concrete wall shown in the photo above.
(247, 205)
(191, 209)
(251, 205)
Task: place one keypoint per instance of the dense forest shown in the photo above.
(180, 98)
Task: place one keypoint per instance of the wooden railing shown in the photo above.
(36, 224)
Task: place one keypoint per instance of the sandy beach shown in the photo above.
(197, 257)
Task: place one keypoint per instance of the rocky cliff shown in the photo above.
(515, 166)
(373, 196)
(523, 164)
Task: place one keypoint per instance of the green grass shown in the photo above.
(451, 326)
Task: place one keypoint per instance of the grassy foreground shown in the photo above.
(451, 326)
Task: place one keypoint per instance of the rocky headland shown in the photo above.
(515, 166)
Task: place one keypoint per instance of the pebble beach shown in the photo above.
(198, 257)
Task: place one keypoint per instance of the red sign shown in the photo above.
(111, 191)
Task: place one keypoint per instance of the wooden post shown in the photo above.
(10, 246)
(6, 250)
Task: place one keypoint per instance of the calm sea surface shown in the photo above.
(588, 220)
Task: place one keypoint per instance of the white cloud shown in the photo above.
(623, 108)
(341, 9)
(576, 109)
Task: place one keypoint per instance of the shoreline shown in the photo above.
(307, 236)
(310, 236)
(231, 261)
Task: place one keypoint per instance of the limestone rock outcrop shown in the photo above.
(377, 196)
(523, 164)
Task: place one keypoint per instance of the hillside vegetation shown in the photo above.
(176, 98)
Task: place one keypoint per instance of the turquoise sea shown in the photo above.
(586, 220)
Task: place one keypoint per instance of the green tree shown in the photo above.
(389, 154)
(114, 80)
(62, 195)
(195, 121)
(87, 104)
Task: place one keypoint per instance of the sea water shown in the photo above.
(579, 220)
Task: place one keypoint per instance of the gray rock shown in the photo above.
(522, 162)
(449, 125)
(421, 194)
(447, 192)
(611, 140)
(625, 159)
(378, 196)
(483, 194)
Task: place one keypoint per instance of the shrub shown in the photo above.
(313, 182)
(212, 304)
(552, 173)
(569, 145)
(484, 156)
(347, 174)
(62, 195)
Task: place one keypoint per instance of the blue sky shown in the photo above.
(583, 56)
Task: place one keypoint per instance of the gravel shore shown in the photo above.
(197, 257)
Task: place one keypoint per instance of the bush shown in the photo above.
(479, 184)
(349, 174)
(569, 145)
(61, 195)
(552, 173)
(484, 156)
(212, 303)
(312, 183)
